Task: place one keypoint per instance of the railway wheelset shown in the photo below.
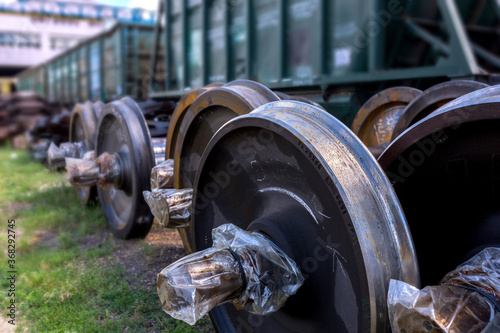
(416, 177)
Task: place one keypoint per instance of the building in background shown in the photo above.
(32, 32)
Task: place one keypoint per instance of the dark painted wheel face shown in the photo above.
(119, 198)
(450, 195)
(288, 199)
(200, 132)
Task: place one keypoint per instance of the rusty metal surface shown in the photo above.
(178, 114)
(361, 202)
(24, 112)
(479, 105)
(431, 99)
(376, 119)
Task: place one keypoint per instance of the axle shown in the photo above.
(57, 155)
(171, 207)
(88, 171)
(244, 268)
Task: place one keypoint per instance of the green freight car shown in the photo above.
(340, 52)
(110, 65)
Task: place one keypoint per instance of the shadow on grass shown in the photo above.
(57, 208)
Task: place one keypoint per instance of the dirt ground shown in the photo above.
(142, 259)
(5, 327)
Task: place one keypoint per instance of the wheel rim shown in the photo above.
(83, 126)
(206, 115)
(431, 99)
(445, 170)
(376, 119)
(286, 97)
(123, 131)
(178, 115)
(202, 119)
(295, 189)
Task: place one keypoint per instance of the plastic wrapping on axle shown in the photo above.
(171, 207)
(467, 300)
(88, 171)
(243, 268)
(56, 156)
(162, 175)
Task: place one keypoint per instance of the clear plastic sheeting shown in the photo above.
(88, 171)
(493, 326)
(242, 267)
(81, 172)
(171, 207)
(162, 175)
(57, 155)
(466, 301)
(89, 156)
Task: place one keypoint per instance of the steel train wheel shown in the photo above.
(206, 115)
(298, 175)
(376, 119)
(83, 125)
(203, 118)
(286, 97)
(445, 170)
(123, 130)
(178, 114)
(432, 99)
(174, 132)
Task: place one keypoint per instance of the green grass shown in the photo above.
(60, 287)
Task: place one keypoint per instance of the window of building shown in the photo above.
(19, 39)
(23, 40)
(62, 43)
(7, 39)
